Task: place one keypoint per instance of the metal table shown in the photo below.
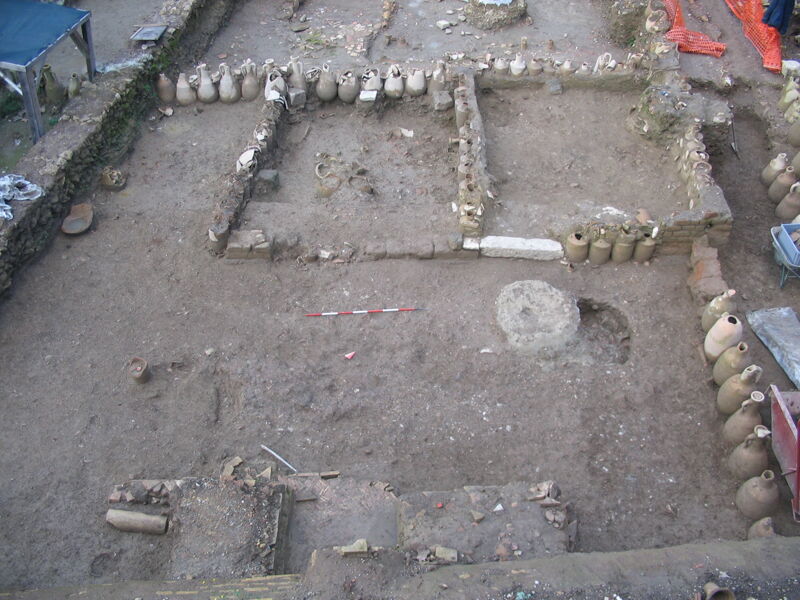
(28, 31)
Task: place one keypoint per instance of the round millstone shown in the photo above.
(538, 318)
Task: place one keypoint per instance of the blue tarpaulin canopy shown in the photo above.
(28, 30)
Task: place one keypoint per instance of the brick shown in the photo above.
(455, 240)
(703, 289)
(263, 250)
(702, 251)
(396, 249)
(374, 251)
(442, 249)
(359, 548)
(669, 248)
(717, 237)
(422, 248)
(446, 554)
(514, 247)
(241, 243)
(297, 97)
(442, 100)
(235, 250)
(471, 243)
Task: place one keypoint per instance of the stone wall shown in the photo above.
(97, 128)
(228, 209)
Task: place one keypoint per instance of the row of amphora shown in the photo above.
(693, 161)
(246, 83)
(738, 397)
(789, 105)
(784, 188)
(535, 66)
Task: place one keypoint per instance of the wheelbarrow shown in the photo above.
(787, 254)
(785, 409)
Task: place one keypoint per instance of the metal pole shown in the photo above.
(279, 457)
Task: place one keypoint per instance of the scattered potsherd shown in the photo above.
(79, 219)
(114, 179)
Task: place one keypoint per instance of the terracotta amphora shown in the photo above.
(749, 458)
(394, 86)
(326, 88)
(758, 497)
(184, 92)
(761, 529)
(789, 207)
(724, 303)
(782, 184)
(206, 90)
(731, 362)
(737, 388)
(741, 423)
(228, 86)
(348, 87)
(726, 332)
(599, 252)
(165, 89)
(577, 247)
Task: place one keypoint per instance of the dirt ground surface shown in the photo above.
(373, 182)
(577, 30)
(432, 400)
(564, 161)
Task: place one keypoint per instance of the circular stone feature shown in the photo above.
(537, 318)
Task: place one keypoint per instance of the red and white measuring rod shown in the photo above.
(363, 312)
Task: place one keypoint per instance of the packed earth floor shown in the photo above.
(431, 400)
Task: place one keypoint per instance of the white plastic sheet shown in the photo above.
(16, 188)
(779, 329)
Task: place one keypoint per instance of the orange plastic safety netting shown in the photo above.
(689, 41)
(766, 39)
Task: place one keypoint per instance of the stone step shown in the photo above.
(274, 587)
(336, 511)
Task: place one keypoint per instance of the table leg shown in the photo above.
(91, 64)
(31, 102)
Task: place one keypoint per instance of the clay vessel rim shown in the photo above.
(136, 365)
(761, 431)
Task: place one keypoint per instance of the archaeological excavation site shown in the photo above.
(399, 299)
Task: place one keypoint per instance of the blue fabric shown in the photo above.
(779, 14)
(29, 28)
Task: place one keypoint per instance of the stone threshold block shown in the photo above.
(515, 247)
(248, 243)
